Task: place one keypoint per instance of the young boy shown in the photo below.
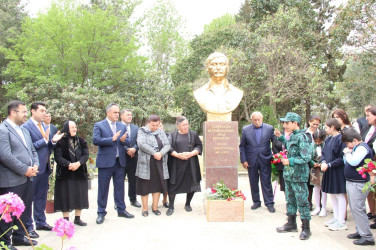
(296, 172)
(354, 156)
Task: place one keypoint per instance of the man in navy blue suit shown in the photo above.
(131, 155)
(42, 142)
(256, 155)
(111, 136)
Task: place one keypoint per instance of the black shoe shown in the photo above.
(271, 209)
(135, 204)
(354, 236)
(306, 231)
(188, 208)
(45, 228)
(290, 226)
(363, 242)
(170, 211)
(80, 223)
(100, 219)
(166, 204)
(23, 242)
(125, 214)
(373, 226)
(370, 216)
(10, 247)
(33, 234)
(255, 206)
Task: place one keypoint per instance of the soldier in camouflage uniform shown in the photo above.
(296, 173)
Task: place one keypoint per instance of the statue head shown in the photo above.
(217, 65)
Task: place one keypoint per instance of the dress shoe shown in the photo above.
(271, 209)
(255, 206)
(373, 226)
(188, 208)
(135, 204)
(364, 242)
(170, 211)
(125, 214)
(354, 236)
(100, 219)
(23, 242)
(370, 216)
(45, 228)
(10, 247)
(33, 234)
(166, 204)
(80, 223)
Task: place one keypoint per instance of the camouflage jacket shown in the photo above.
(299, 152)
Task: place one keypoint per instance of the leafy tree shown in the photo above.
(71, 44)
(220, 23)
(11, 15)
(165, 40)
(357, 89)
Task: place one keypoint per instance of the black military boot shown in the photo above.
(306, 231)
(290, 226)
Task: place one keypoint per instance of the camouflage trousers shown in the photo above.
(297, 199)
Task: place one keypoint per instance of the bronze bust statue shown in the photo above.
(218, 98)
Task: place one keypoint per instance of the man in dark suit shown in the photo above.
(18, 164)
(131, 155)
(363, 124)
(53, 130)
(111, 136)
(256, 155)
(48, 125)
(43, 144)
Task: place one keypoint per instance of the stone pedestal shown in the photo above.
(221, 153)
(225, 211)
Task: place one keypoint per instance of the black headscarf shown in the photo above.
(73, 143)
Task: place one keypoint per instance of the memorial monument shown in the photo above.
(218, 98)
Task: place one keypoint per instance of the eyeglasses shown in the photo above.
(23, 112)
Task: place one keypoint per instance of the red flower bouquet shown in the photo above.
(369, 168)
(219, 191)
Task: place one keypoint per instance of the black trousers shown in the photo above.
(25, 192)
(130, 172)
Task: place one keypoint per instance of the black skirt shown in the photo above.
(156, 184)
(71, 194)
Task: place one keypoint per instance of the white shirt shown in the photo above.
(36, 124)
(355, 156)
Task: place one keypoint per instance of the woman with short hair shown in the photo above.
(152, 171)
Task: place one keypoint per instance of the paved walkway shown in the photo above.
(185, 230)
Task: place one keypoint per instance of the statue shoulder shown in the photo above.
(200, 92)
(236, 90)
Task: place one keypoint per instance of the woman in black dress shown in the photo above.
(71, 186)
(184, 167)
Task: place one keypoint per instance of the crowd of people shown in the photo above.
(318, 162)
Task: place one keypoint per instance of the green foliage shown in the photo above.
(164, 37)
(220, 23)
(73, 44)
(11, 15)
(357, 89)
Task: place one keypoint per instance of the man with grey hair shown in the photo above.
(256, 155)
(111, 136)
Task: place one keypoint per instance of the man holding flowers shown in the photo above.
(296, 173)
